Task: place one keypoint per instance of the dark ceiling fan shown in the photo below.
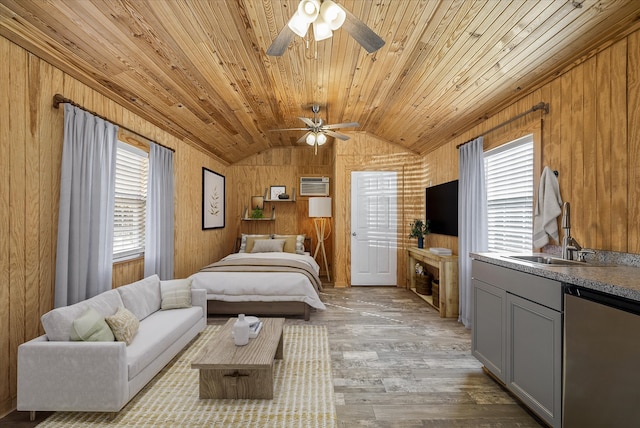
(326, 16)
(317, 130)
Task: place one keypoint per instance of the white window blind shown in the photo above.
(130, 202)
(509, 176)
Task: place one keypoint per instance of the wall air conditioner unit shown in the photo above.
(314, 186)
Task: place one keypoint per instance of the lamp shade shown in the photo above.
(319, 207)
(321, 138)
(311, 138)
(321, 29)
(298, 24)
(332, 14)
(309, 9)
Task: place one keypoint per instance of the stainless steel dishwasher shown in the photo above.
(601, 360)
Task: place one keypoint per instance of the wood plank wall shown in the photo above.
(364, 152)
(280, 166)
(31, 134)
(591, 136)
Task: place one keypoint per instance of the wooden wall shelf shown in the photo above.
(292, 196)
(447, 267)
(246, 217)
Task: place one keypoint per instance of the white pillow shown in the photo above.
(176, 293)
(268, 246)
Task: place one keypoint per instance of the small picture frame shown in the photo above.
(257, 202)
(274, 191)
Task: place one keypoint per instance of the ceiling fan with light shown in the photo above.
(326, 17)
(317, 130)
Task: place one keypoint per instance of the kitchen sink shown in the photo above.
(548, 260)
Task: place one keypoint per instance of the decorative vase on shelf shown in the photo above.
(420, 242)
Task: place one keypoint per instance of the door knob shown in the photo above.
(354, 234)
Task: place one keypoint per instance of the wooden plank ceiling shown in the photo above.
(199, 70)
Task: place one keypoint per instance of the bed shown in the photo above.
(265, 276)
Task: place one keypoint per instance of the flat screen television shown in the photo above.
(442, 208)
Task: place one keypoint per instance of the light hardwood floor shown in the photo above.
(396, 363)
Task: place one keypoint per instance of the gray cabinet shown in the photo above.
(488, 340)
(517, 335)
(534, 355)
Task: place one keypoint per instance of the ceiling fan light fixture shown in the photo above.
(321, 138)
(299, 25)
(332, 14)
(321, 29)
(309, 9)
(311, 139)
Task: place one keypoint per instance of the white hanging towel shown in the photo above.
(547, 210)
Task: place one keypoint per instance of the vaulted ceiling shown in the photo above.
(198, 68)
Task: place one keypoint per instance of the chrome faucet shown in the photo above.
(569, 244)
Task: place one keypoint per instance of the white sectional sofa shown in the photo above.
(58, 374)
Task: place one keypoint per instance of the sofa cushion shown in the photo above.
(124, 325)
(142, 297)
(57, 322)
(176, 294)
(91, 327)
(157, 333)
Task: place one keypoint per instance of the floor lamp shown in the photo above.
(320, 211)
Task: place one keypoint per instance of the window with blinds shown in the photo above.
(509, 176)
(132, 166)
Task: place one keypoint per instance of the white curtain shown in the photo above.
(85, 224)
(158, 251)
(472, 222)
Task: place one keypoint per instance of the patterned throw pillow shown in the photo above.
(176, 294)
(124, 325)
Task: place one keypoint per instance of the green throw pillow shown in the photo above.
(91, 327)
(124, 325)
(175, 293)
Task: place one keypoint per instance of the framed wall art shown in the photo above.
(274, 191)
(213, 199)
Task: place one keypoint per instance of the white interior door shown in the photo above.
(374, 223)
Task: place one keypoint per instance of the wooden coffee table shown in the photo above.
(230, 371)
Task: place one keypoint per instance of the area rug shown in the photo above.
(303, 393)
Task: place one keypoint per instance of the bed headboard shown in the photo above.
(307, 244)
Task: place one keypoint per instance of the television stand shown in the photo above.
(447, 267)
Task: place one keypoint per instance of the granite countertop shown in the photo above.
(605, 274)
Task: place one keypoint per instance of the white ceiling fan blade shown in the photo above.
(363, 34)
(341, 125)
(308, 121)
(303, 139)
(336, 135)
(289, 129)
(281, 42)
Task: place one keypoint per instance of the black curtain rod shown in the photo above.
(539, 106)
(60, 99)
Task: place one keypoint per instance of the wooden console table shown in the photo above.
(447, 274)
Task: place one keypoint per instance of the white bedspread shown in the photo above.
(260, 286)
